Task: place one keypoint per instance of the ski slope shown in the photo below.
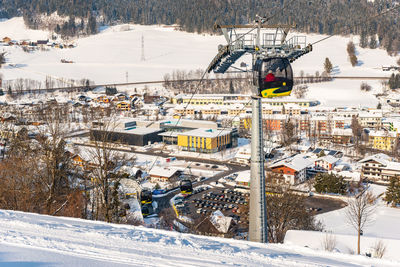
(37, 240)
(114, 56)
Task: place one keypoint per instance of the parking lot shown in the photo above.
(204, 201)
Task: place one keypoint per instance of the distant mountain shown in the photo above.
(320, 16)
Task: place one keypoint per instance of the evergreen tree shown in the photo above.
(328, 66)
(92, 24)
(393, 191)
(392, 81)
(363, 39)
(372, 42)
(330, 183)
(200, 16)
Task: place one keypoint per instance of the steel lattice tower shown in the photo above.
(261, 45)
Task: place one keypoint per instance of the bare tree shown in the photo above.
(55, 162)
(287, 211)
(104, 158)
(359, 213)
(379, 249)
(329, 242)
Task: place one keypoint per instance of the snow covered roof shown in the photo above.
(220, 222)
(297, 163)
(381, 133)
(162, 172)
(354, 176)
(342, 132)
(394, 166)
(243, 177)
(208, 133)
(369, 115)
(330, 159)
(128, 169)
(380, 157)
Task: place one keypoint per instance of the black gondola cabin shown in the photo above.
(186, 187)
(273, 77)
(146, 197)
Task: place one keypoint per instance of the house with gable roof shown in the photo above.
(379, 168)
(327, 162)
(293, 169)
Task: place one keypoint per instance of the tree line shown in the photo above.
(329, 17)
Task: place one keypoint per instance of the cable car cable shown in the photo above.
(255, 27)
(358, 24)
(380, 14)
(202, 78)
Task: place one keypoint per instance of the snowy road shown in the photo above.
(37, 240)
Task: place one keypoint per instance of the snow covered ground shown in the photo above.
(28, 239)
(108, 56)
(384, 227)
(384, 224)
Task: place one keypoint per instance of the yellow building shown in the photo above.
(383, 140)
(206, 140)
(231, 99)
(124, 106)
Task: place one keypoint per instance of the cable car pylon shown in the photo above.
(272, 77)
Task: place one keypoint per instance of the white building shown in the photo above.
(293, 169)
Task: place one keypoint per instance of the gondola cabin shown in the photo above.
(186, 187)
(146, 197)
(147, 209)
(273, 76)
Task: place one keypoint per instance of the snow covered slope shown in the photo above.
(36, 240)
(383, 227)
(116, 51)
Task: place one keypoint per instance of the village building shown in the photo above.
(382, 140)
(164, 175)
(243, 179)
(379, 168)
(293, 169)
(207, 140)
(370, 119)
(326, 162)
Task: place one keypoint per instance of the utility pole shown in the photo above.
(258, 212)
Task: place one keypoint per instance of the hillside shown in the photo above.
(114, 56)
(323, 17)
(35, 240)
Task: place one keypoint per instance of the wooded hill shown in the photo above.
(318, 16)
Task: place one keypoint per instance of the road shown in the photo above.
(163, 202)
(166, 155)
(84, 87)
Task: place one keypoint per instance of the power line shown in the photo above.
(202, 78)
(358, 24)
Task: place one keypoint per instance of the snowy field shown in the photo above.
(384, 226)
(28, 239)
(108, 56)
